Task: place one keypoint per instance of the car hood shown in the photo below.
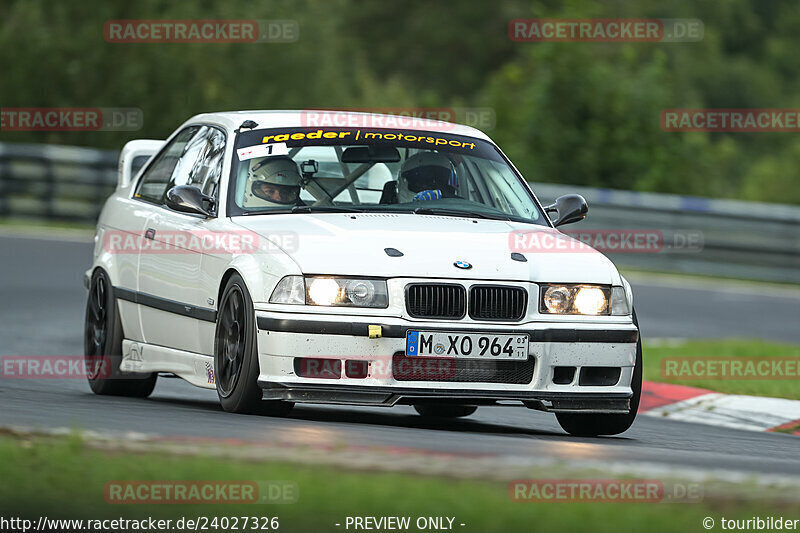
(354, 244)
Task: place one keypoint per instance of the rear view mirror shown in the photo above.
(568, 208)
(370, 154)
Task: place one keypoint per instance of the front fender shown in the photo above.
(261, 271)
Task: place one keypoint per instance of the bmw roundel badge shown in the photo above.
(463, 265)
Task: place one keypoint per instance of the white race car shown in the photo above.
(374, 261)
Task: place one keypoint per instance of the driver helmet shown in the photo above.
(426, 176)
(272, 181)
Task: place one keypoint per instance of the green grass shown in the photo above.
(654, 353)
(64, 478)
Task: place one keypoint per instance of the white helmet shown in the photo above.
(272, 181)
(426, 176)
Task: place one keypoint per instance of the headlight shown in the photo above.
(329, 291)
(323, 291)
(558, 299)
(591, 301)
(576, 300)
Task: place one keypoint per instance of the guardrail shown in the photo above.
(63, 183)
(737, 239)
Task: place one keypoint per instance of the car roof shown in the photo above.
(309, 118)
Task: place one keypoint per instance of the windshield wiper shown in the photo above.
(306, 209)
(324, 209)
(454, 213)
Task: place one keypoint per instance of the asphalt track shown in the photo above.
(41, 313)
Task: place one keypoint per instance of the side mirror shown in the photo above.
(188, 199)
(569, 208)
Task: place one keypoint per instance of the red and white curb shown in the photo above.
(690, 404)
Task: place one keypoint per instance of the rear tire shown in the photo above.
(443, 410)
(593, 425)
(236, 367)
(102, 345)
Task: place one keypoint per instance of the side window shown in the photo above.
(201, 163)
(153, 185)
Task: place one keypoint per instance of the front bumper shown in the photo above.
(283, 337)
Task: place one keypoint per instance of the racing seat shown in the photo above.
(389, 194)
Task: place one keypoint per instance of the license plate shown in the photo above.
(467, 345)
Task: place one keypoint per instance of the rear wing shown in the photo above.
(134, 156)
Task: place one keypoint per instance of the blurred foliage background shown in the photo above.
(569, 112)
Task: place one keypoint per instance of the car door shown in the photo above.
(174, 302)
(124, 236)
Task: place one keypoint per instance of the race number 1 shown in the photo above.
(262, 150)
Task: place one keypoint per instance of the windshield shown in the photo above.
(340, 169)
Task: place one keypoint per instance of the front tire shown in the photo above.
(443, 410)
(594, 425)
(236, 355)
(102, 345)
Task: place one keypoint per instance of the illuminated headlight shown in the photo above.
(329, 291)
(323, 291)
(346, 291)
(576, 300)
(591, 301)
